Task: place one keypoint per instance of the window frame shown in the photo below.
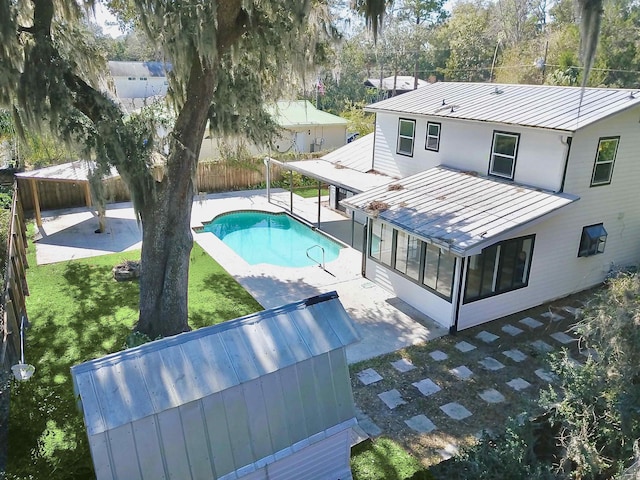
(494, 154)
(498, 269)
(437, 137)
(596, 242)
(400, 137)
(611, 162)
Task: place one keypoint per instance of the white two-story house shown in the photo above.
(501, 197)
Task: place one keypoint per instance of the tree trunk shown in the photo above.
(166, 217)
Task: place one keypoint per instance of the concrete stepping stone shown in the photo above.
(487, 337)
(462, 372)
(392, 398)
(365, 422)
(553, 316)
(545, 375)
(491, 363)
(492, 396)
(449, 450)
(515, 355)
(511, 330)
(403, 365)
(369, 376)
(427, 387)
(455, 410)
(465, 346)
(531, 322)
(421, 424)
(438, 355)
(518, 384)
(358, 435)
(542, 346)
(563, 338)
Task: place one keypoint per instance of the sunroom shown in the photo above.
(444, 238)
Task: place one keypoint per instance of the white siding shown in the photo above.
(428, 303)
(556, 270)
(467, 146)
(138, 88)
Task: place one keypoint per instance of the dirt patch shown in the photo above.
(449, 433)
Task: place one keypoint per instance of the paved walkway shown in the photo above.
(384, 322)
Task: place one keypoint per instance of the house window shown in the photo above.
(143, 78)
(438, 270)
(433, 136)
(131, 78)
(408, 250)
(503, 154)
(381, 242)
(499, 268)
(603, 168)
(406, 134)
(592, 240)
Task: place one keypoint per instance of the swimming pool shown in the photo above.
(273, 238)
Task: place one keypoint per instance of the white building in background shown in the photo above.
(139, 80)
(499, 197)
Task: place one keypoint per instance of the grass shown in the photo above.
(384, 459)
(310, 192)
(77, 313)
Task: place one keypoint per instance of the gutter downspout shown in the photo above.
(457, 304)
(566, 161)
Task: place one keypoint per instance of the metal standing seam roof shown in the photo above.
(347, 167)
(138, 382)
(301, 113)
(543, 106)
(402, 82)
(459, 211)
(77, 171)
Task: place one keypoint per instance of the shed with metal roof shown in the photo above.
(267, 395)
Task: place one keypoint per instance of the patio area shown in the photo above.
(384, 322)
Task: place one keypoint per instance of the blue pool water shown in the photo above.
(273, 238)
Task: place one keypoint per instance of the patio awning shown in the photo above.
(347, 167)
(461, 212)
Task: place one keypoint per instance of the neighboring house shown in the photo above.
(394, 85)
(139, 80)
(263, 396)
(506, 196)
(305, 129)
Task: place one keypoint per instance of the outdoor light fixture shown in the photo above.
(22, 371)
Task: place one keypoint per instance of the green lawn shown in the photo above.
(383, 459)
(77, 313)
(310, 192)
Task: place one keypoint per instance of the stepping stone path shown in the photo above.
(563, 338)
(403, 365)
(553, 316)
(531, 322)
(542, 346)
(518, 384)
(392, 398)
(427, 387)
(545, 375)
(465, 346)
(511, 330)
(438, 355)
(515, 355)
(487, 337)
(421, 424)
(492, 396)
(455, 410)
(462, 372)
(366, 424)
(369, 376)
(491, 363)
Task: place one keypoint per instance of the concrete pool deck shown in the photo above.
(385, 323)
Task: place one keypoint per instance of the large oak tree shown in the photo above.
(223, 53)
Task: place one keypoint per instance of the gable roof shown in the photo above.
(458, 211)
(302, 113)
(403, 83)
(138, 382)
(543, 106)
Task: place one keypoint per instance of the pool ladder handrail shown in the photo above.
(320, 264)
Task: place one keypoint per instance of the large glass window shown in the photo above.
(499, 268)
(381, 242)
(406, 136)
(592, 240)
(408, 254)
(433, 136)
(605, 158)
(438, 270)
(503, 154)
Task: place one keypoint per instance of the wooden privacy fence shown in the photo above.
(15, 283)
(210, 177)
